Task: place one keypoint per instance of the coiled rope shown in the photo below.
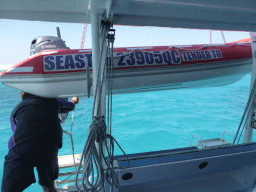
(93, 158)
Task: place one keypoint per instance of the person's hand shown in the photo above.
(75, 100)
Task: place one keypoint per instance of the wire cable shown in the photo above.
(248, 107)
(93, 160)
(72, 146)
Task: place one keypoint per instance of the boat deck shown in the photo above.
(187, 169)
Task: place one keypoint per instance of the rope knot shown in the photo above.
(99, 125)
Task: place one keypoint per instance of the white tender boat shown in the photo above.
(224, 166)
(63, 73)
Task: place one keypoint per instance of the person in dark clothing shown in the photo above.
(36, 139)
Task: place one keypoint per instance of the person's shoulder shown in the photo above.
(20, 105)
(36, 100)
(47, 100)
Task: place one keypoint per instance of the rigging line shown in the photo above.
(248, 106)
(223, 37)
(103, 77)
(99, 71)
(240, 134)
(111, 77)
(108, 61)
(110, 45)
(109, 142)
(96, 86)
(110, 151)
(95, 158)
(108, 74)
(72, 145)
(97, 81)
(104, 68)
(91, 156)
(111, 155)
(247, 117)
(65, 180)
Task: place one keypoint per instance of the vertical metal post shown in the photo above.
(98, 47)
(95, 19)
(248, 128)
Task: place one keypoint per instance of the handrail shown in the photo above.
(228, 133)
(190, 144)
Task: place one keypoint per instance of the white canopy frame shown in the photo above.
(200, 14)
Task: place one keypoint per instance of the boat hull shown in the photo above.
(71, 84)
(50, 85)
(66, 73)
(197, 75)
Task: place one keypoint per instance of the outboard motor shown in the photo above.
(49, 43)
(46, 43)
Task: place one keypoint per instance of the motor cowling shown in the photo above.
(43, 43)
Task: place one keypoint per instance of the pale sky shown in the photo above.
(16, 36)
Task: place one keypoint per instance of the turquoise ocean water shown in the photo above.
(148, 121)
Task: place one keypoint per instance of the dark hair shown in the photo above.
(24, 95)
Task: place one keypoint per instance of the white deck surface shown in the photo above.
(68, 160)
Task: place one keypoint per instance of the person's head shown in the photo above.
(24, 95)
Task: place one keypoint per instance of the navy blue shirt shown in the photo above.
(37, 117)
